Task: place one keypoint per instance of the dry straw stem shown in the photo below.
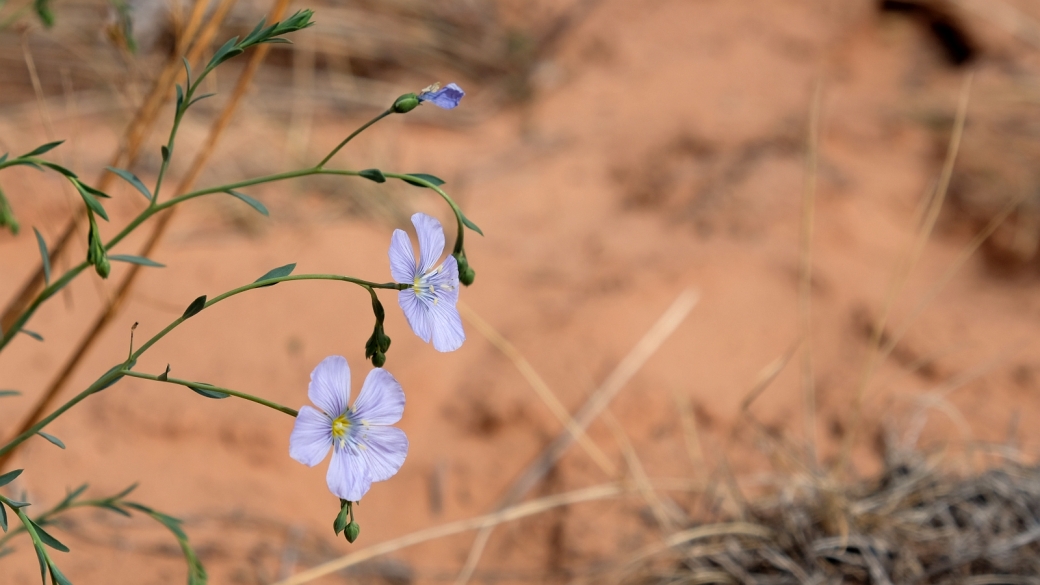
(905, 266)
(805, 255)
(600, 399)
(540, 387)
(140, 126)
(202, 156)
(666, 519)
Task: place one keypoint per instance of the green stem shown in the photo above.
(351, 137)
(259, 284)
(211, 387)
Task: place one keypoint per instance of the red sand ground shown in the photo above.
(664, 151)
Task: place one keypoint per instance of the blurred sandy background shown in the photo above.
(615, 153)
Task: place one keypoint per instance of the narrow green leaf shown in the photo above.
(48, 539)
(249, 200)
(45, 256)
(4, 393)
(165, 152)
(51, 438)
(209, 393)
(194, 308)
(466, 222)
(373, 175)
(187, 71)
(27, 163)
(41, 555)
(92, 203)
(180, 96)
(72, 496)
(32, 334)
(16, 504)
(165, 375)
(59, 168)
(96, 192)
(5, 551)
(42, 149)
(133, 180)
(114, 508)
(9, 476)
(4, 157)
(277, 273)
(277, 40)
(139, 260)
(428, 178)
(57, 577)
(125, 492)
(3, 517)
(200, 98)
(43, 10)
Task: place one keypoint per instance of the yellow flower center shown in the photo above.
(340, 426)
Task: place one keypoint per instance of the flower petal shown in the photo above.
(445, 280)
(402, 259)
(416, 312)
(446, 97)
(448, 334)
(329, 389)
(311, 436)
(348, 475)
(384, 450)
(431, 240)
(381, 401)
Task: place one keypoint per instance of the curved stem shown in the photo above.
(460, 234)
(351, 137)
(262, 283)
(211, 387)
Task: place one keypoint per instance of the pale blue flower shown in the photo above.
(446, 97)
(364, 447)
(429, 303)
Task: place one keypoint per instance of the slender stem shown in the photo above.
(259, 284)
(211, 387)
(103, 382)
(351, 137)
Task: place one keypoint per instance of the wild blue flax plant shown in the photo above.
(366, 447)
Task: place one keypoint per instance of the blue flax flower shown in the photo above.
(364, 447)
(429, 303)
(446, 97)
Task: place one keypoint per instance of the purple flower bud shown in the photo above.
(446, 97)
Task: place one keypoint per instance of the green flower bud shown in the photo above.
(103, 268)
(96, 255)
(352, 531)
(340, 523)
(378, 359)
(405, 103)
(467, 275)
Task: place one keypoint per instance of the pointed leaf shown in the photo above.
(139, 260)
(45, 256)
(209, 393)
(425, 177)
(249, 200)
(41, 556)
(187, 71)
(276, 273)
(56, 576)
(59, 168)
(48, 539)
(194, 308)
(373, 175)
(92, 203)
(32, 334)
(51, 438)
(125, 492)
(72, 496)
(466, 222)
(4, 157)
(42, 149)
(165, 375)
(180, 96)
(96, 192)
(4, 393)
(200, 98)
(133, 180)
(3, 517)
(9, 476)
(114, 508)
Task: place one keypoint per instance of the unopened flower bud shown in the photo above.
(96, 255)
(340, 523)
(378, 359)
(352, 531)
(467, 276)
(103, 267)
(405, 103)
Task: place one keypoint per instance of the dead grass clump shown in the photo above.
(914, 525)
